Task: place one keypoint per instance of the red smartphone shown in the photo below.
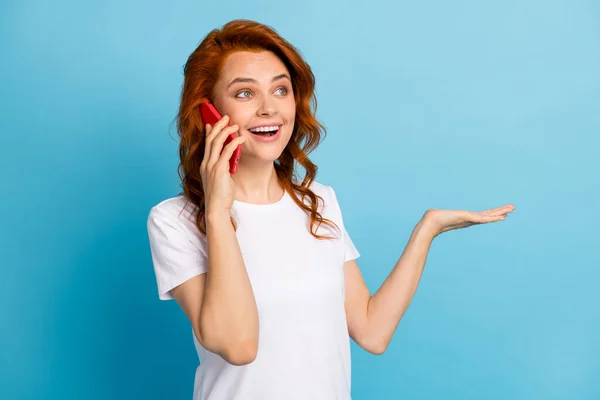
(210, 115)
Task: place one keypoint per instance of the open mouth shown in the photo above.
(265, 131)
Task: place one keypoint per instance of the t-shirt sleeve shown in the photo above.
(350, 251)
(175, 257)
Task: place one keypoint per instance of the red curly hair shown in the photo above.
(201, 73)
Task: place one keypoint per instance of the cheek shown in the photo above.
(223, 108)
(290, 112)
(237, 114)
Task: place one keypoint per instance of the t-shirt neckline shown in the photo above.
(263, 206)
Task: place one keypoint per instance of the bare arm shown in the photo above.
(372, 320)
(220, 304)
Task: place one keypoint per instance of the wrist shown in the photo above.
(217, 217)
(428, 226)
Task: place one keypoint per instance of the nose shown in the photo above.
(267, 107)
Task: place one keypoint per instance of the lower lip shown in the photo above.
(267, 139)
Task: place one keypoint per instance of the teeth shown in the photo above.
(265, 129)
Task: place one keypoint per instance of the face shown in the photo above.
(255, 90)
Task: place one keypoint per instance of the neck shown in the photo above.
(256, 183)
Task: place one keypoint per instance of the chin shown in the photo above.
(267, 157)
(262, 157)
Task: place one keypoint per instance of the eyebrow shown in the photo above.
(237, 80)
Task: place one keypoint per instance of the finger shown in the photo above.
(485, 219)
(479, 217)
(209, 144)
(214, 131)
(506, 207)
(502, 212)
(219, 125)
(228, 151)
(217, 143)
(499, 210)
(503, 209)
(207, 129)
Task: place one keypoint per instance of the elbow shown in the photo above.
(240, 354)
(235, 352)
(377, 349)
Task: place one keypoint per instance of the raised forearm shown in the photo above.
(229, 313)
(387, 306)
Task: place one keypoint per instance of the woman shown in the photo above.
(260, 260)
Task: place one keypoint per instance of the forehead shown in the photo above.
(252, 65)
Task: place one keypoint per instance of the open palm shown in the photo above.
(447, 220)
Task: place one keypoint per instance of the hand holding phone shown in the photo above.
(211, 116)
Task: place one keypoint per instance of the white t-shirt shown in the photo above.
(298, 283)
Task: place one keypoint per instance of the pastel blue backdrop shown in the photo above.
(462, 104)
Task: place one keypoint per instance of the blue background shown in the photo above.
(462, 104)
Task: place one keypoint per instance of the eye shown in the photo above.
(282, 90)
(243, 92)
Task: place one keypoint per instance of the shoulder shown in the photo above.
(175, 212)
(172, 208)
(320, 188)
(327, 193)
